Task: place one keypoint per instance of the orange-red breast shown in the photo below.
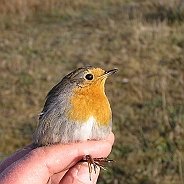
(76, 109)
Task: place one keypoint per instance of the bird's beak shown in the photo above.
(110, 72)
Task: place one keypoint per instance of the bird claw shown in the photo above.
(95, 163)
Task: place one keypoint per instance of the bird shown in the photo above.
(76, 110)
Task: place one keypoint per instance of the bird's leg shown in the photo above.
(95, 162)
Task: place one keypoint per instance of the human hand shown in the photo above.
(55, 164)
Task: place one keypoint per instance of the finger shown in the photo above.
(57, 177)
(79, 174)
(41, 163)
(16, 156)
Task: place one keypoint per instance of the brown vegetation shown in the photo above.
(40, 42)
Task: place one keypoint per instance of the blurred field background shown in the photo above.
(41, 41)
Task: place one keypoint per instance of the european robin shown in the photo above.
(76, 109)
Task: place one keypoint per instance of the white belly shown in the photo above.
(84, 132)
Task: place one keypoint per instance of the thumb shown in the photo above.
(79, 174)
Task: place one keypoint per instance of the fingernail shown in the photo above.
(84, 175)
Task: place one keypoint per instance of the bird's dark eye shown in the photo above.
(89, 76)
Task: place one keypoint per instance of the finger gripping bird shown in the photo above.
(76, 109)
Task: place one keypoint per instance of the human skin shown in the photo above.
(55, 164)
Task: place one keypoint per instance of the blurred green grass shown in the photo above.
(144, 39)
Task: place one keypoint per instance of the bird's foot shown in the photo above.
(95, 162)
